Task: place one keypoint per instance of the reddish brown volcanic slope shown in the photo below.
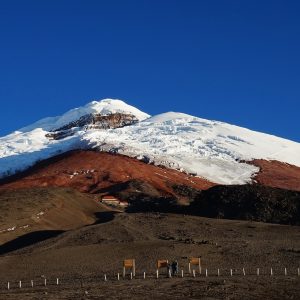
(277, 174)
(90, 171)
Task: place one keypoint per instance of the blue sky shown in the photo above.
(234, 61)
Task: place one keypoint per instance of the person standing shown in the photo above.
(175, 267)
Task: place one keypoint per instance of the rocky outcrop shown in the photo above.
(93, 121)
(249, 202)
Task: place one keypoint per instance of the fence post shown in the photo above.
(244, 273)
(257, 271)
(271, 272)
(218, 272)
(105, 279)
(8, 285)
(20, 284)
(181, 273)
(285, 271)
(45, 282)
(230, 272)
(118, 276)
(206, 273)
(144, 275)
(157, 273)
(131, 275)
(190, 268)
(31, 283)
(124, 271)
(194, 273)
(298, 270)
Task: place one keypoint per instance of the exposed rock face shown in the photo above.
(93, 121)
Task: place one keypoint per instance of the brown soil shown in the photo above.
(277, 174)
(113, 169)
(81, 257)
(42, 209)
(95, 171)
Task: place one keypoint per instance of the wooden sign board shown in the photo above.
(162, 263)
(195, 261)
(129, 263)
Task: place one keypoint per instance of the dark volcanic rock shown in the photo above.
(93, 121)
(186, 191)
(143, 197)
(249, 202)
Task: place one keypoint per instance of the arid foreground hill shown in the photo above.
(81, 257)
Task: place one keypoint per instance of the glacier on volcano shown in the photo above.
(209, 149)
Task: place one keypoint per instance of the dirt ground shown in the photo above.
(81, 257)
(25, 211)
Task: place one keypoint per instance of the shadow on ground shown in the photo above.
(39, 236)
(105, 216)
(28, 240)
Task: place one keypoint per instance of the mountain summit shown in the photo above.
(103, 107)
(216, 151)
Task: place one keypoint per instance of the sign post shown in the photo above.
(195, 261)
(162, 263)
(129, 264)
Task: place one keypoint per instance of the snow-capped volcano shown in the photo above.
(104, 107)
(210, 149)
